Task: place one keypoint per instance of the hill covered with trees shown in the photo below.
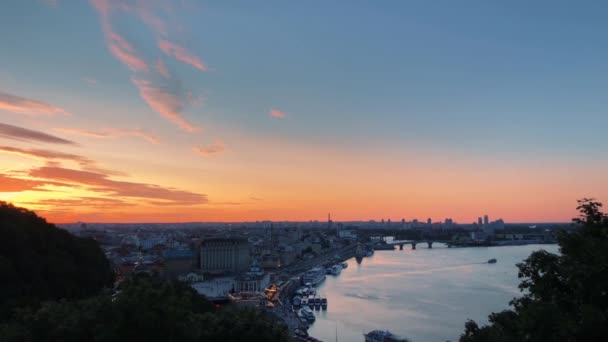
(40, 262)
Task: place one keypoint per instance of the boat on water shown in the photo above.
(314, 276)
(344, 264)
(336, 269)
(324, 303)
(307, 313)
(297, 301)
(492, 261)
(383, 336)
(359, 251)
(382, 245)
(318, 303)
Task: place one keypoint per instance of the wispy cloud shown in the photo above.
(21, 105)
(165, 102)
(52, 156)
(52, 3)
(164, 94)
(45, 154)
(182, 54)
(90, 81)
(86, 201)
(101, 183)
(24, 134)
(117, 44)
(275, 113)
(162, 69)
(114, 133)
(11, 184)
(210, 150)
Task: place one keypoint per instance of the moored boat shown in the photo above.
(314, 276)
(307, 313)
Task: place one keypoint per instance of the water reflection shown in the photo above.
(426, 294)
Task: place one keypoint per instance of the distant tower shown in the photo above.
(479, 222)
(486, 220)
(329, 221)
(429, 221)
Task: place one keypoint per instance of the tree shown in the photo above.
(565, 296)
(40, 262)
(146, 309)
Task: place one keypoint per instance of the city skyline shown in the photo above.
(161, 111)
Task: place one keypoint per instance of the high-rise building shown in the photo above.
(486, 220)
(479, 221)
(225, 255)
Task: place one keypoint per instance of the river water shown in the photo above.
(425, 295)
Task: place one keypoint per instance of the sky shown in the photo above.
(181, 111)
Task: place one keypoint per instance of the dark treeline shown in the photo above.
(40, 262)
(56, 287)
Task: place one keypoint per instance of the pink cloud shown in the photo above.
(275, 113)
(11, 184)
(182, 54)
(164, 102)
(162, 69)
(125, 53)
(52, 156)
(101, 183)
(52, 3)
(210, 150)
(119, 47)
(24, 134)
(114, 133)
(90, 81)
(21, 105)
(45, 154)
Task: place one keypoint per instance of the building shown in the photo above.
(224, 255)
(486, 220)
(178, 262)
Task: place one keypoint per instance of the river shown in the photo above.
(425, 295)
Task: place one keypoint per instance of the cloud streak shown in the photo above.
(114, 133)
(45, 154)
(181, 54)
(164, 102)
(162, 69)
(11, 184)
(210, 150)
(23, 134)
(101, 182)
(118, 45)
(275, 113)
(21, 105)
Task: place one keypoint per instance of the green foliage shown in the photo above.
(40, 262)
(144, 310)
(565, 296)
